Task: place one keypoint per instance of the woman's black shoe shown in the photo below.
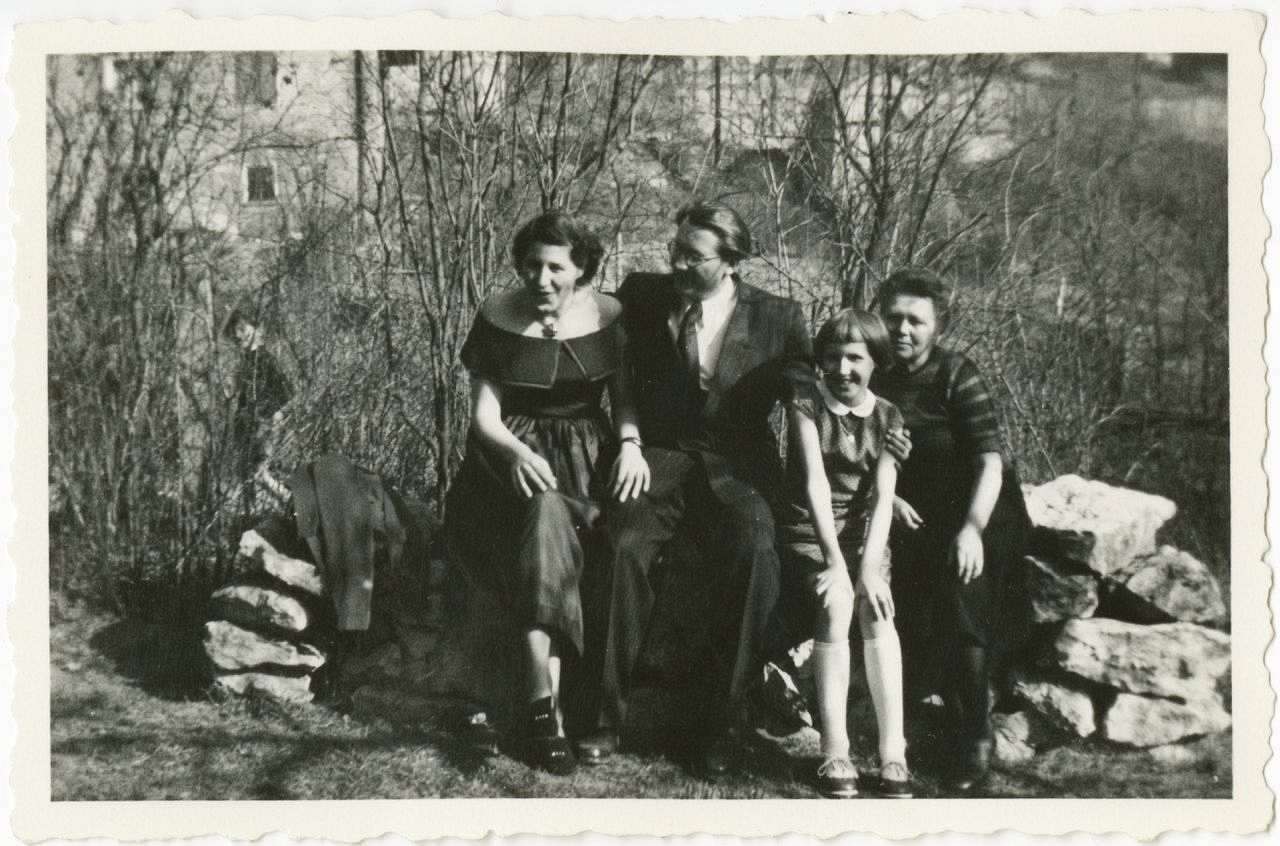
(546, 748)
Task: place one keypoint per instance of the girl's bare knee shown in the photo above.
(869, 626)
(836, 616)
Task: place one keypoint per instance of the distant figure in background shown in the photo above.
(960, 522)
(541, 456)
(261, 390)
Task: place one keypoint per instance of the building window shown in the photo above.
(256, 78)
(397, 59)
(262, 184)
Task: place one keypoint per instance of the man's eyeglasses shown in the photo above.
(681, 256)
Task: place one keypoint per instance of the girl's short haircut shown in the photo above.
(917, 282)
(735, 238)
(555, 228)
(852, 325)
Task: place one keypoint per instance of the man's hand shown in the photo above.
(630, 473)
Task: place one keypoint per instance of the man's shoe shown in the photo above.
(719, 758)
(479, 734)
(838, 778)
(973, 767)
(894, 781)
(776, 703)
(596, 747)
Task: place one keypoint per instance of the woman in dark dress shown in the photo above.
(541, 357)
(958, 528)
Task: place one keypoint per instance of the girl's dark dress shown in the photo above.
(527, 550)
(952, 420)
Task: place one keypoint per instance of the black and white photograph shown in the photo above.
(599, 424)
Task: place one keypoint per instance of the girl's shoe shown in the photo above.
(545, 746)
(895, 781)
(838, 778)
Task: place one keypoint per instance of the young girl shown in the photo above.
(839, 504)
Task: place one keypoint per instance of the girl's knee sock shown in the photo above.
(882, 655)
(831, 663)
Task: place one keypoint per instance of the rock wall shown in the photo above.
(1129, 647)
(262, 636)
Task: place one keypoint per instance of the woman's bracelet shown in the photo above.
(631, 439)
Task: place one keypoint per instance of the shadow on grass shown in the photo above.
(266, 764)
(164, 660)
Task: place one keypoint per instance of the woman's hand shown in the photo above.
(966, 553)
(832, 582)
(875, 590)
(905, 515)
(898, 443)
(530, 472)
(630, 473)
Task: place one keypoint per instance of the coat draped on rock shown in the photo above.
(358, 530)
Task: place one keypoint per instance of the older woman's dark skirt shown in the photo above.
(937, 614)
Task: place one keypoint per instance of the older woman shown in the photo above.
(959, 526)
(541, 357)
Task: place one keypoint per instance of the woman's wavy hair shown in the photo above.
(557, 228)
(918, 282)
(851, 325)
(735, 238)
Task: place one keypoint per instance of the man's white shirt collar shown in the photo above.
(839, 409)
(716, 306)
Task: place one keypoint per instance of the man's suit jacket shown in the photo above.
(764, 332)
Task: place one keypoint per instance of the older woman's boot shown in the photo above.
(971, 721)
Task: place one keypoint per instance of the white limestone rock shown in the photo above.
(232, 648)
(1094, 524)
(280, 688)
(294, 572)
(1167, 586)
(1066, 708)
(1180, 660)
(1013, 737)
(1175, 755)
(1156, 721)
(258, 608)
(1059, 591)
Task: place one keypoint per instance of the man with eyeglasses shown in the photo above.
(705, 353)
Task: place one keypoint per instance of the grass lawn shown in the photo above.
(129, 722)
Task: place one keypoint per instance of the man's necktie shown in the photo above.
(688, 342)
